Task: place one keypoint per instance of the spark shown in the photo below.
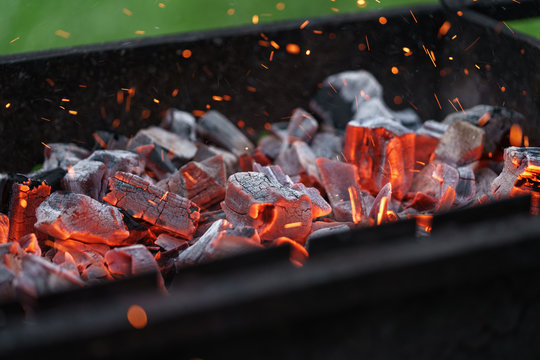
(438, 103)
(50, 82)
(334, 9)
(217, 98)
(280, 6)
(271, 56)
(164, 197)
(407, 51)
(17, 38)
(457, 100)
(8, 105)
(383, 20)
(293, 49)
(127, 12)
(508, 27)
(47, 146)
(274, 44)
(42, 118)
(453, 37)
(332, 86)
(450, 58)
(137, 317)
(308, 52)
(255, 19)
(304, 24)
(115, 123)
(82, 85)
(395, 70)
(152, 202)
(361, 3)
(472, 44)
(161, 5)
(416, 21)
(443, 30)
(73, 112)
(62, 33)
(65, 100)
(318, 32)
(453, 105)
(156, 101)
(459, 13)
(367, 43)
(292, 225)
(484, 119)
(174, 93)
(230, 12)
(139, 32)
(99, 140)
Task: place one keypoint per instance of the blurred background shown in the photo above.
(33, 25)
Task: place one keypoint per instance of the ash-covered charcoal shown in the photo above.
(68, 215)
(4, 228)
(221, 131)
(274, 210)
(29, 244)
(106, 140)
(152, 204)
(328, 145)
(495, 121)
(466, 186)
(461, 144)
(521, 172)
(220, 240)
(434, 178)
(297, 160)
(484, 178)
(180, 123)
(270, 146)
(26, 197)
(85, 177)
(156, 160)
(63, 155)
(447, 200)
(205, 152)
(382, 205)
(383, 151)
(375, 107)
(7, 290)
(172, 145)
(201, 182)
(302, 126)
(327, 231)
(337, 100)
(88, 258)
(168, 242)
(426, 141)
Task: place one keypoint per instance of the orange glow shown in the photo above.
(73, 112)
(356, 207)
(186, 54)
(71, 172)
(217, 98)
(503, 89)
(424, 222)
(23, 203)
(198, 113)
(304, 24)
(8, 105)
(139, 32)
(274, 44)
(241, 123)
(227, 97)
(62, 33)
(460, 13)
(174, 93)
(119, 96)
(484, 119)
(255, 19)
(292, 225)
(526, 141)
(50, 82)
(230, 11)
(394, 70)
(383, 20)
(156, 101)
(115, 123)
(516, 135)
(293, 49)
(398, 100)
(382, 210)
(137, 317)
(443, 30)
(280, 6)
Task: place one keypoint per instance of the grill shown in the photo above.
(469, 290)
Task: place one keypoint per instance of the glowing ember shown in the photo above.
(137, 317)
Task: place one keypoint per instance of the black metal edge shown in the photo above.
(187, 37)
(497, 9)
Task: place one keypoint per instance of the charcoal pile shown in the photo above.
(195, 190)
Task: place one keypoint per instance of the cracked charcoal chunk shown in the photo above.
(173, 145)
(63, 155)
(434, 178)
(426, 141)
(180, 123)
(336, 101)
(85, 177)
(521, 172)
(221, 131)
(302, 126)
(274, 210)
(79, 217)
(466, 186)
(297, 160)
(168, 242)
(383, 151)
(207, 151)
(26, 197)
(327, 145)
(495, 121)
(219, 241)
(156, 160)
(4, 228)
(152, 204)
(461, 144)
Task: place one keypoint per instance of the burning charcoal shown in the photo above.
(298, 159)
(447, 200)
(4, 228)
(156, 161)
(205, 152)
(327, 145)
(207, 219)
(62, 155)
(116, 160)
(253, 199)
(51, 177)
(327, 231)
(201, 182)
(7, 290)
(172, 145)
(496, 123)
(383, 151)
(106, 140)
(466, 186)
(220, 240)
(270, 146)
(66, 262)
(179, 122)
(379, 210)
(434, 178)
(374, 107)
(302, 126)
(337, 100)
(340, 181)
(153, 204)
(422, 202)
(168, 242)
(484, 178)
(132, 260)
(85, 177)
(79, 217)
(279, 129)
(88, 258)
(29, 244)
(521, 172)
(461, 144)
(26, 197)
(39, 277)
(10, 256)
(221, 131)
(426, 141)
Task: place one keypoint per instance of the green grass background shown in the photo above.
(31, 25)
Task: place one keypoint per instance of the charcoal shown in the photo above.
(298, 159)
(426, 141)
(495, 121)
(180, 123)
(466, 186)
(383, 151)
(152, 204)
(221, 131)
(116, 160)
(201, 182)
(340, 181)
(319, 225)
(10, 256)
(207, 219)
(156, 160)
(253, 199)
(68, 215)
(219, 241)
(421, 202)
(328, 145)
(279, 130)
(327, 231)
(168, 242)
(7, 290)
(447, 200)
(484, 178)
(85, 177)
(173, 145)
(374, 107)
(461, 144)
(29, 244)
(302, 126)
(106, 140)
(63, 155)
(341, 94)
(205, 152)
(408, 118)
(40, 277)
(434, 178)
(4, 228)
(66, 262)
(521, 172)
(89, 259)
(270, 146)
(382, 203)
(52, 177)
(26, 197)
